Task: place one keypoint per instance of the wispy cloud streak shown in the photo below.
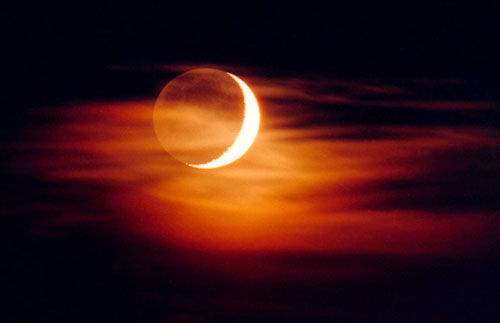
(330, 171)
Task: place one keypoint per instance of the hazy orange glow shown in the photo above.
(298, 189)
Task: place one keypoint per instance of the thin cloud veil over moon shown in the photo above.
(197, 118)
(350, 183)
(169, 162)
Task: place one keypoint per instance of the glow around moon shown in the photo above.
(247, 134)
(206, 118)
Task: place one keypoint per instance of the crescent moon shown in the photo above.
(246, 135)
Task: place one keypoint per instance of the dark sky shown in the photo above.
(382, 206)
(62, 50)
(73, 41)
(352, 37)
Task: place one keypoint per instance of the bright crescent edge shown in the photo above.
(247, 134)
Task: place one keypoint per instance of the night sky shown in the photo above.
(371, 193)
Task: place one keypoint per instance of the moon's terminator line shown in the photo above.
(247, 134)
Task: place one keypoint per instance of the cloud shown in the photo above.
(330, 171)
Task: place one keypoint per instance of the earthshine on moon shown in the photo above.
(206, 118)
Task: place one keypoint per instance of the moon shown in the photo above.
(206, 118)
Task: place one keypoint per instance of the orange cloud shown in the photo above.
(318, 188)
